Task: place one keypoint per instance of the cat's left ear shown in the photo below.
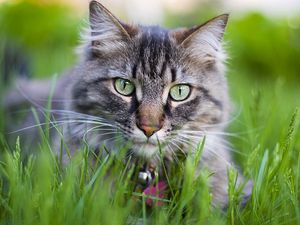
(107, 33)
(204, 42)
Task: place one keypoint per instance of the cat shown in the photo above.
(144, 84)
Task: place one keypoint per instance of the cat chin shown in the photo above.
(145, 150)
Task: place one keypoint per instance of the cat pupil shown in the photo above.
(124, 83)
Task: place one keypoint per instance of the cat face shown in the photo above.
(152, 84)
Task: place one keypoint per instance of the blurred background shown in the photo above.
(262, 39)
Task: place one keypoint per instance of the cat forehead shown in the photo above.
(154, 42)
(154, 52)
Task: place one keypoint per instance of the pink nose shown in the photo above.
(149, 130)
(150, 119)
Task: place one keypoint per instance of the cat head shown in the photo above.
(152, 83)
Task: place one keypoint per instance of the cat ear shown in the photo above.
(107, 33)
(204, 42)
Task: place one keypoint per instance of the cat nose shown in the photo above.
(149, 118)
(149, 130)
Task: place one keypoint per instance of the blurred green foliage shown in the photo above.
(47, 34)
(265, 48)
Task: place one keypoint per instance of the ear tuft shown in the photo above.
(106, 32)
(204, 42)
(214, 27)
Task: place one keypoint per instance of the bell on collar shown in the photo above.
(145, 177)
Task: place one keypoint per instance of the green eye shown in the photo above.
(180, 92)
(124, 87)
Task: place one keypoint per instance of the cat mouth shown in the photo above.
(146, 150)
(147, 147)
(150, 142)
(146, 143)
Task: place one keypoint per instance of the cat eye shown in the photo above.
(123, 86)
(180, 92)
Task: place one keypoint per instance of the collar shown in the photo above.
(150, 185)
(147, 175)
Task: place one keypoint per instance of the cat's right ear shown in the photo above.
(204, 42)
(107, 33)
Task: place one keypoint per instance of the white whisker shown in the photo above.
(173, 153)
(61, 122)
(205, 132)
(177, 147)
